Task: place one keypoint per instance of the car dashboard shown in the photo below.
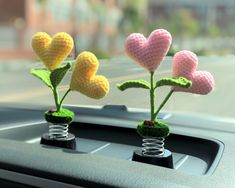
(202, 148)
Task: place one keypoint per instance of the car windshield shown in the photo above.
(206, 28)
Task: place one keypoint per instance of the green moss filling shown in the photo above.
(159, 130)
(64, 116)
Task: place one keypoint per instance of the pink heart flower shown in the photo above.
(185, 64)
(150, 52)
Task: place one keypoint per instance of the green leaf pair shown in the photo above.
(179, 81)
(54, 78)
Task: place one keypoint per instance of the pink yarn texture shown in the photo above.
(150, 52)
(185, 64)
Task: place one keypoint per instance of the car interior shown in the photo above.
(105, 123)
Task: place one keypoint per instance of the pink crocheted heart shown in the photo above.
(150, 52)
(185, 64)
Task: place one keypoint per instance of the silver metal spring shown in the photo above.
(153, 146)
(58, 131)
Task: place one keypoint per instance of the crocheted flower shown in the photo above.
(52, 51)
(84, 78)
(150, 52)
(185, 64)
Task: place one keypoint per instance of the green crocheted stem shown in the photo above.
(163, 103)
(66, 93)
(56, 77)
(56, 99)
(178, 81)
(64, 116)
(152, 96)
(158, 130)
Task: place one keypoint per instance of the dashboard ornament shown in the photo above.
(149, 53)
(52, 52)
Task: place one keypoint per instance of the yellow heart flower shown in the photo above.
(84, 78)
(52, 51)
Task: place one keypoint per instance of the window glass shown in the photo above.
(205, 27)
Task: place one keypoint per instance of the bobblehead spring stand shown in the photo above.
(150, 53)
(58, 134)
(58, 119)
(52, 52)
(153, 151)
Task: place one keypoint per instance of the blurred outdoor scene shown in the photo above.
(101, 26)
(206, 27)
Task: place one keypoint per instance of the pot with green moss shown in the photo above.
(153, 134)
(58, 134)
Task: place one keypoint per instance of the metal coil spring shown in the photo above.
(58, 131)
(153, 146)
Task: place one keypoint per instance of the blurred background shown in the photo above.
(206, 27)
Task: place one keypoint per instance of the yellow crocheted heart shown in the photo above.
(84, 78)
(52, 51)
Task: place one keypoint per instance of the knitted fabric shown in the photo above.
(150, 52)
(52, 51)
(84, 78)
(185, 64)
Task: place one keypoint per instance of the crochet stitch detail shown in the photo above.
(185, 64)
(150, 52)
(84, 78)
(52, 51)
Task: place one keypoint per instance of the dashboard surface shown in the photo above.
(202, 147)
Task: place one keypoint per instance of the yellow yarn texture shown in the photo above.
(84, 78)
(52, 51)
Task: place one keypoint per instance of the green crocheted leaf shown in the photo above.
(133, 84)
(43, 75)
(58, 74)
(179, 81)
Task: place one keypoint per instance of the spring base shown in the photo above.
(69, 142)
(58, 131)
(164, 160)
(153, 146)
